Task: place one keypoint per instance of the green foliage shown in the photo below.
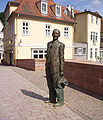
(2, 18)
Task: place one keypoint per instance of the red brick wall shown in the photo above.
(39, 64)
(26, 63)
(84, 75)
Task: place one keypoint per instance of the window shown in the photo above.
(91, 53)
(58, 11)
(95, 52)
(75, 51)
(79, 51)
(25, 28)
(48, 30)
(44, 7)
(66, 32)
(96, 36)
(92, 19)
(84, 51)
(97, 21)
(91, 35)
(39, 53)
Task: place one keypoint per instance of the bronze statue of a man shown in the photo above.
(55, 69)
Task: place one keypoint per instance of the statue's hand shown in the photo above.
(59, 84)
(61, 73)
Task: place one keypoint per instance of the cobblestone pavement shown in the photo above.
(84, 105)
(20, 99)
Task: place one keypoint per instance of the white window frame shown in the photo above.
(91, 53)
(25, 27)
(76, 52)
(85, 51)
(47, 30)
(95, 52)
(66, 32)
(97, 20)
(56, 11)
(44, 10)
(96, 37)
(80, 51)
(91, 35)
(38, 53)
(91, 18)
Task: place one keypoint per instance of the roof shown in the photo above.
(76, 11)
(29, 7)
(93, 13)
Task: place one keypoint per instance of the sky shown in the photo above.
(92, 5)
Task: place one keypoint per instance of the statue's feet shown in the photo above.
(48, 101)
(58, 104)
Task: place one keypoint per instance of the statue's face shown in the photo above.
(55, 34)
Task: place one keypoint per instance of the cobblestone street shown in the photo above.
(23, 92)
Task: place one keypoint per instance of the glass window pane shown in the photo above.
(35, 51)
(23, 24)
(45, 51)
(40, 56)
(26, 24)
(40, 51)
(35, 56)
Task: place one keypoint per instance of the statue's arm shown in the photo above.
(61, 55)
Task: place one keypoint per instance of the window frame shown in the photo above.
(91, 35)
(38, 53)
(92, 20)
(80, 48)
(91, 53)
(85, 51)
(97, 21)
(25, 34)
(75, 52)
(66, 32)
(56, 11)
(46, 8)
(96, 37)
(47, 30)
(95, 52)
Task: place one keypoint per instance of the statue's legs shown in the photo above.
(59, 91)
(52, 92)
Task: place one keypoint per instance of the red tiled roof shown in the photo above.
(17, 1)
(76, 11)
(29, 7)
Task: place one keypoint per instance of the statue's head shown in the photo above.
(56, 34)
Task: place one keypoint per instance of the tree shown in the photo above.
(2, 18)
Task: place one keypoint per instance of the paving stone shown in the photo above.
(22, 95)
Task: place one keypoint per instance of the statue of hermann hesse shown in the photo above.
(55, 70)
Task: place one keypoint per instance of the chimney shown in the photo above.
(68, 8)
(72, 12)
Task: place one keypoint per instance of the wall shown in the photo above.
(93, 27)
(83, 56)
(81, 28)
(38, 39)
(26, 63)
(85, 75)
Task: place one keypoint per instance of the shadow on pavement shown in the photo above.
(34, 95)
(86, 91)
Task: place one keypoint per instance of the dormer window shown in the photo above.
(58, 11)
(44, 8)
